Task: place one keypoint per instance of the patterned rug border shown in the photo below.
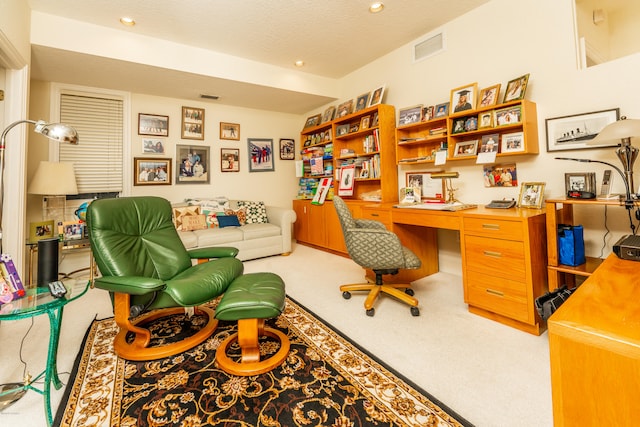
(310, 332)
(385, 366)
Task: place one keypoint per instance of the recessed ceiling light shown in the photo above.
(300, 63)
(125, 20)
(376, 7)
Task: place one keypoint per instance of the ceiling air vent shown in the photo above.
(428, 47)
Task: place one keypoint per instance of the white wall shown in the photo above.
(494, 44)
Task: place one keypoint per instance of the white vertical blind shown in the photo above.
(98, 156)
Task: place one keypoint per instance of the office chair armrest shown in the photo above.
(213, 252)
(369, 223)
(133, 285)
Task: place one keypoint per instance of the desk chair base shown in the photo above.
(249, 330)
(401, 291)
(138, 349)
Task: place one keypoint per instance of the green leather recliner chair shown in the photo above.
(145, 266)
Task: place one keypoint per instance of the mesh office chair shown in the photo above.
(372, 246)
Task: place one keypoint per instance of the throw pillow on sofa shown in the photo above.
(180, 212)
(256, 212)
(241, 213)
(228, 221)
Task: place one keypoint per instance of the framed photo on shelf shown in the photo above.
(152, 146)
(457, 125)
(344, 109)
(430, 189)
(153, 124)
(192, 123)
(230, 131)
(465, 149)
(428, 113)
(376, 96)
(464, 98)
(71, 230)
(229, 160)
(471, 124)
(489, 143)
(11, 287)
(442, 110)
(485, 119)
(489, 96)
(192, 164)
(313, 121)
(260, 155)
(512, 142)
(287, 149)
(328, 114)
(574, 132)
(409, 115)
(509, 116)
(151, 171)
(362, 101)
(365, 122)
(531, 195)
(580, 182)
(516, 88)
(342, 130)
(41, 230)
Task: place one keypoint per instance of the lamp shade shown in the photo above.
(616, 131)
(54, 179)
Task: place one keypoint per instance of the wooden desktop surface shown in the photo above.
(594, 343)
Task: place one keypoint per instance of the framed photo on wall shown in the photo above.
(153, 124)
(152, 145)
(230, 131)
(574, 132)
(287, 149)
(260, 155)
(192, 164)
(230, 160)
(192, 123)
(151, 171)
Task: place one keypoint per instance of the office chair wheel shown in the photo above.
(415, 311)
(346, 295)
(371, 312)
(409, 292)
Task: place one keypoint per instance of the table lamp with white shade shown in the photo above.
(54, 181)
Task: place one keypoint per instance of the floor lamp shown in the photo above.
(56, 132)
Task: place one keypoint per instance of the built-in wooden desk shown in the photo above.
(503, 257)
(594, 343)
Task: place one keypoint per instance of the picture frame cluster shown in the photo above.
(192, 162)
(361, 102)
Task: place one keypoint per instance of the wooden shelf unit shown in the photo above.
(415, 144)
(315, 140)
(560, 211)
(385, 155)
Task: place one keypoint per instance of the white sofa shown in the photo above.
(254, 240)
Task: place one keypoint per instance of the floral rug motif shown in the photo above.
(325, 381)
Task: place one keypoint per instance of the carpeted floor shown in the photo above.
(326, 380)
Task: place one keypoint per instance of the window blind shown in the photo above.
(97, 158)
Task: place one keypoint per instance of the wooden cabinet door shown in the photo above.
(335, 238)
(301, 226)
(316, 225)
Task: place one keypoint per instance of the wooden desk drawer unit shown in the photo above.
(504, 265)
(377, 214)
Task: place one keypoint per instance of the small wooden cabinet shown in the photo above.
(318, 226)
(504, 264)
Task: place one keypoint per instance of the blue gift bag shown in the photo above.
(571, 244)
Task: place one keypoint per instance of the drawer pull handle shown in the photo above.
(375, 214)
(491, 226)
(492, 292)
(493, 254)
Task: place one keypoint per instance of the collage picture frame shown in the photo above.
(192, 123)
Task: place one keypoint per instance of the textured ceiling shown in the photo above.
(333, 37)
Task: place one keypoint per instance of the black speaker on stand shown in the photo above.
(47, 261)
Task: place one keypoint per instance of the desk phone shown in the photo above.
(501, 204)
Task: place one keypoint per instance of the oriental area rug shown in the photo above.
(325, 381)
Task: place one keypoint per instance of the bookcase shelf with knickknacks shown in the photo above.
(367, 139)
(317, 156)
(510, 129)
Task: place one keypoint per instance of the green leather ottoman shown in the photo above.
(249, 300)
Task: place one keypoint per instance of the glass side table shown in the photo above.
(36, 302)
(65, 246)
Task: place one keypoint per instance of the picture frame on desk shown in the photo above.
(585, 182)
(71, 230)
(531, 195)
(41, 230)
(430, 189)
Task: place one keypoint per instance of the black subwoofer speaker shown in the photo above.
(47, 261)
